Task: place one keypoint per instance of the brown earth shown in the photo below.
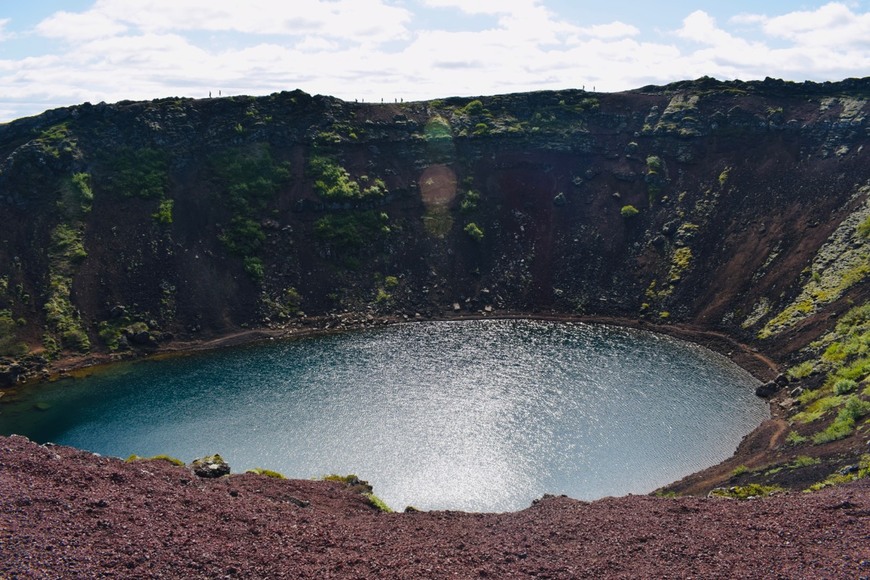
(66, 513)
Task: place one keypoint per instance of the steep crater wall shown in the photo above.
(739, 208)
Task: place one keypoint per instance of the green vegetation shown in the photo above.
(57, 140)
(803, 461)
(794, 438)
(480, 129)
(438, 129)
(362, 487)
(282, 306)
(844, 424)
(378, 503)
(65, 253)
(81, 183)
(680, 262)
(863, 228)
(169, 458)
(332, 182)
(351, 231)
(163, 215)
(67, 244)
(817, 409)
(801, 370)
(469, 201)
(474, 107)
(9, 343)
(845, 360)
(140, 172)
(842, 262)
(844, 386)
(628, 211)
(839, 478)
(254, 267)
(248, 180)
(266, 473)
(243, 237)
(751, 491)
(474, 231)
(740, 470)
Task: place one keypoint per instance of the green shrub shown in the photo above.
(140, 172)
(333, 182)
(474, 107)
(843, 386)
(67, 244)
(254, 268)
(803, 461)
(740, 470)
(863, 228)
(378, 503)
(163, 214)
(480, 129)
(351, 230)
(469, 201)
(243, 237)
(628, 211)
(382, 296)
(844, 424)
(753, 490)
(474, 231)
(248, 179)
(795, 438)
(9, 343)
(82, 186)
(169, 458)
(266, 473)
(801, 370)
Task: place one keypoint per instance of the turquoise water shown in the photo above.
(475, 416)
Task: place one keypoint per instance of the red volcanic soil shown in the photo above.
(66, 513)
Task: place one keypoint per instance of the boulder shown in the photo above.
(9, 374)
(767, 390)
(210, 467)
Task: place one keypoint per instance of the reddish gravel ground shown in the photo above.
(65, 513)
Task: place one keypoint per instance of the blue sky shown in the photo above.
(56, 53)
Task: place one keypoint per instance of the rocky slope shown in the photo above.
(738, 209)
(70, 514)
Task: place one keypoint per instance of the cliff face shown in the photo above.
(699, 202)
(735, 207)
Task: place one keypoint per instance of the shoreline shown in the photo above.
(748, 358)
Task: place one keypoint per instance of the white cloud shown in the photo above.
(354, 20)
(316, 44)
(3, 34)
(76, 27)
(486, 6)
(615, 29)
(701, 27)
(832, 25)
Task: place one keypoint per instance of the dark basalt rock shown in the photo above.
(9, 374)
(767, 390)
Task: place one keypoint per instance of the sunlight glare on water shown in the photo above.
(475, 416)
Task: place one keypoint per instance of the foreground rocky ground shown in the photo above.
(67, 513)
